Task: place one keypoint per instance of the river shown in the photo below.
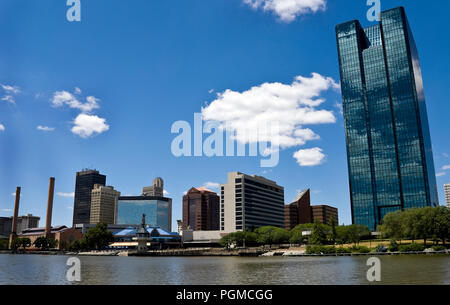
(46, 269)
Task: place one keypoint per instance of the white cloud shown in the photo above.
(165, 193)
(440, 174)
(286, 106)
(288, 10)
(445, 155)
(9, 98)
(309, 157)
(77, 90)
(11, 89)
(211, 185)
(45, 128)
(71, 195)
(6, 210)
(445, 167)
(88, 125)
(61, 98)
(2, 127)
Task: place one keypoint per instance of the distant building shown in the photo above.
(157, 188)
(23, 222)
(299, 211)
(323, 214)
(104, 200)
(201, 210)
(85, 181)
(158, 211)
(62, 234)
(159, 238)
(447, 194)
(250, 202)
(179, 226)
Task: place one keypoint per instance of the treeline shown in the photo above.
(414, 224)
(312, 233)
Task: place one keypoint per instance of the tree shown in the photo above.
(333, 233)
(45, 243)
(99, 237)
(318, 234)
(442, 224)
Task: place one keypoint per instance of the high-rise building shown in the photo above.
(104, 200)
(201, 210)
(85, 181)
(447, 194)
(250, 202)
(323, 214)
(158, 211)
(157, 188)
(390, 160)
(299, 211)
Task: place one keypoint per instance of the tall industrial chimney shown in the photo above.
(48, 224)
(16, 215)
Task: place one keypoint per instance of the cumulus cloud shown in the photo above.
(2, 127)
(70, 195)
(11, 89)
(288, 10)
(61, 98)
(87, 125)
(252, 114)
(211, 185)
(309, 157)
(45, 128)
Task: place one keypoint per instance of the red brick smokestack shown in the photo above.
(51, 190)
(16, 215)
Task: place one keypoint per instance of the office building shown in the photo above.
(299, 211)
(447, 194)
(323, 214)
(158, 211)
(157, 188)
(250, 202)
(201, 210)
(104, 201)
(390, 160)
(85, 181)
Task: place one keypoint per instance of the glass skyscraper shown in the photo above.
(390, 160)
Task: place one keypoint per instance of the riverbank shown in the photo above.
(214, 252)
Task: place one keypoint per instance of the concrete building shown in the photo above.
(104, 204)
(447, 194)
(250, 202)
(157, 188)
(201, 210)
(5, 226)
(299, 211)
(85, 181)
(323, 214)
(23, 222)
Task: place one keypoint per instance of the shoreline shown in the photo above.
(207, 253)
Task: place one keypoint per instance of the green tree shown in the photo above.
(318, 234)
(45, 243)
(333, 233)
(98, 238)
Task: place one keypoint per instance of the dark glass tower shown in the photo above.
(390, 160)
(84, 185)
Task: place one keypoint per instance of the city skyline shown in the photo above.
(141, 92)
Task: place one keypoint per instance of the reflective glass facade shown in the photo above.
(390, 160)
(158, 211)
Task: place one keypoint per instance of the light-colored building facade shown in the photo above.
(447, 194)
(250, 202)
(104, 204)
(157, 188)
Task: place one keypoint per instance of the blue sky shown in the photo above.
(105, 92)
